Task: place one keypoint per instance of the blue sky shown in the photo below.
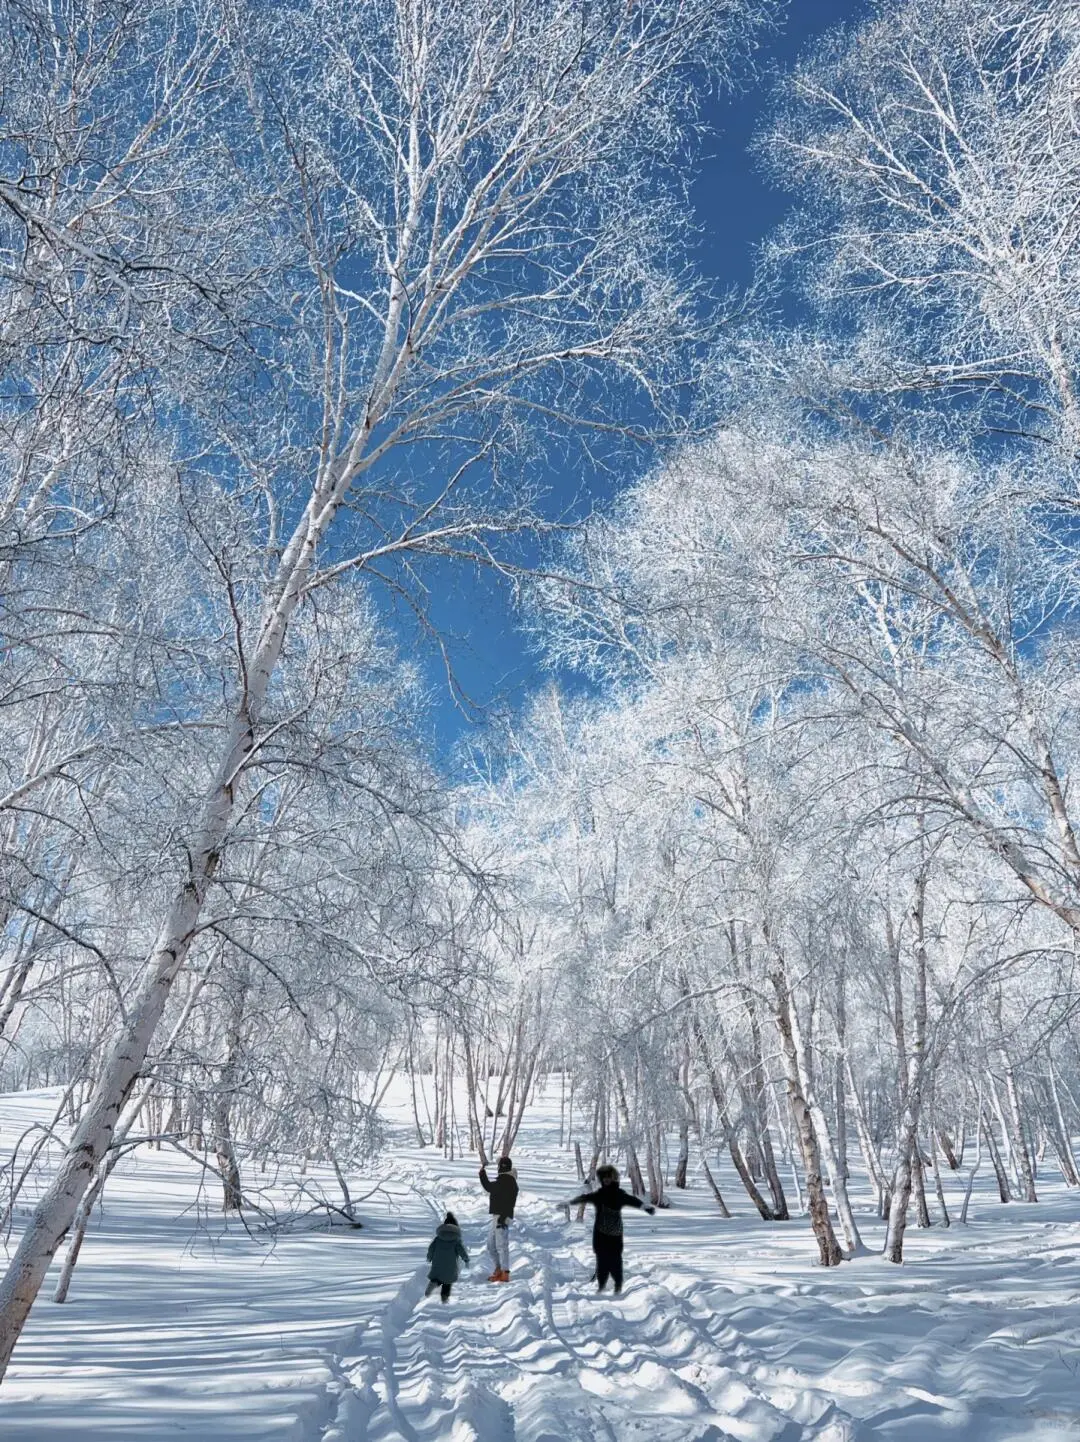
(736, 207)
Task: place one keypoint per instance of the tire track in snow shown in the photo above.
(415, 1382)
(650, 1344)
(540, 1360)
(358, 1399)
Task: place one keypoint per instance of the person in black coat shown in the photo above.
(502, 1194)
(445, 1250)
(607, 1238)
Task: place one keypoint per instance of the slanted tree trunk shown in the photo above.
(900, 1196)
(760, 1109)
(995, 1157)
(78, 1232)
(599, 1140)
(501, 1091)
(1063, 1145)
(962, 1128)
(713, 1076)
(828, 1247)
(871, 1156)
(221, 1106)
(783, 1127)
(1025, 1169)
(135, 1109)
(713, 1187)
(844, 1210)
(526, 1066)
(476, 1126)
(90, 1140)
(772, 1176)
(633, 1167)
(1006, 1147)
(945, 1143)
(974, 1169)
(16, 977)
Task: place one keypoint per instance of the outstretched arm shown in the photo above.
(583, 1197)
(629, 1200)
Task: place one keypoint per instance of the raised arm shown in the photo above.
(484, 1179)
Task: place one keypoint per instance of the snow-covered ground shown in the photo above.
(178, 1326)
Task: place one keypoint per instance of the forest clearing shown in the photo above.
(726, 1329)
(539, 719)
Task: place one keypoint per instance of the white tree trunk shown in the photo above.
(56, 1210)
(820, 1220)
(1068, 1161)
(871, 1158)
(974, 1169)
(852, 1240)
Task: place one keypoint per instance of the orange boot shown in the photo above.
(498, 1275)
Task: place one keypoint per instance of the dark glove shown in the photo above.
(650, 1210)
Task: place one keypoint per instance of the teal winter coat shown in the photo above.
(443, 1253)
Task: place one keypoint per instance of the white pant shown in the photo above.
(498, 1244)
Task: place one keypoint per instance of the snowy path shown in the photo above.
(544, 1360)
(980, 1343)
(725, 1330)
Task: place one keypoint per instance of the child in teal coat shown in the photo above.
(443, 1253)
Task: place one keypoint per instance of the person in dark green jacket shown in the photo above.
(443, 1253)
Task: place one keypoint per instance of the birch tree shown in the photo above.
(466, 232)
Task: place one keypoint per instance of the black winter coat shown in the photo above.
(502, 1194)
(443, 1253)
(609, 1202)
